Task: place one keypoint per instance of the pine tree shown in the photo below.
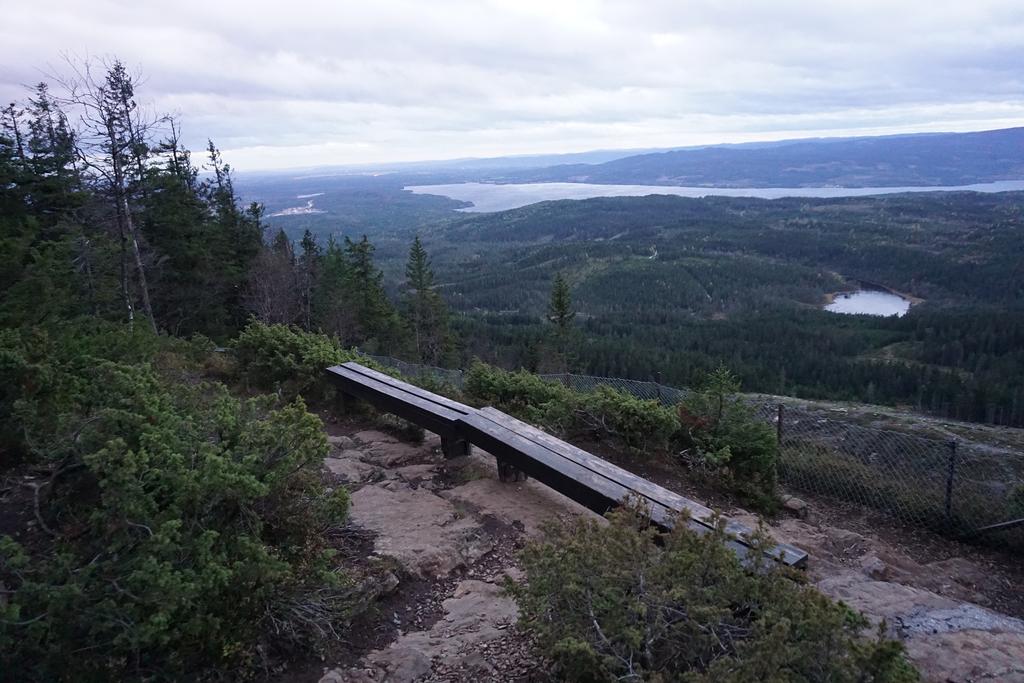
(308, 267)
(182, 237)
(561, 316)
(202, 249)
(426, 311)
(560, 311)
(99, 219)
(40, 201)
(375, 317)
(332, 307)
(113, 141)
(52, 147)
(12, 130)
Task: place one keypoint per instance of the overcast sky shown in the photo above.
(300, 83)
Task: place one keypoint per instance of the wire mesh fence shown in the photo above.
(953, 485)
(949, 484)
(448, 376)
(647, 390)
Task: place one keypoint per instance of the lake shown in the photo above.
(493, 197)
(869, 302)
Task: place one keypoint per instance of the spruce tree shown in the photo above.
(308, 267)
(560, 311)
(561, 316)
(426, 312)
(113, 140)
(377, 324)
(332, 306)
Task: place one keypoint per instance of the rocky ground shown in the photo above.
(942, 609)
(454, 530)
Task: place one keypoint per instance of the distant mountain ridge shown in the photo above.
(929, 159)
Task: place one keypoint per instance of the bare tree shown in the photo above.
(113, 136)
(272, 293)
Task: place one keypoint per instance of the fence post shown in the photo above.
(657, 387)
(950, 474)
(778, 426)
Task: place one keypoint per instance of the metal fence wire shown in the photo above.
(951, 484)
(640, 389)
(956, 485)
(433, 373)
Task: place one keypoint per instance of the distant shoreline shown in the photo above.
(487, 197)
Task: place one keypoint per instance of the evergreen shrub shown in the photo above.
(620, 601)
(720, 432)
(180, 531)
(638, 423)
(289, 360)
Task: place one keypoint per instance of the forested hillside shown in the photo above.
(673, 286)
(899, 160)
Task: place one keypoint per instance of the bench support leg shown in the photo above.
(454, 447)
(508, 473)
(342, 402)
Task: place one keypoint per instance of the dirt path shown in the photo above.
(455, 531)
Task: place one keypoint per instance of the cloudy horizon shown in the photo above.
(308, 84)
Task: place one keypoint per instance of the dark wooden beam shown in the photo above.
(522, 449)
(638, 485)
(390, 398)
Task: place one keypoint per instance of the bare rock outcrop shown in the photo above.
(449, 523)
(420, 529)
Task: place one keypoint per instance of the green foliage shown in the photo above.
(66, 226)
(740, 281)
(186, 524)
(376, 323)
(287, 359)
(640, 423)
(522, 394)
(329, 296)
(426, 312)
(561, 315)
(291, 361)
(40, 370)
(621, 602)
(205, 241)
(721, 432)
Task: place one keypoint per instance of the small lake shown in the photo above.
(494, 197)
(869, 302)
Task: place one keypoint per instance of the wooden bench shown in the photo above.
(596, 483)
(432, 412)
(521, 449)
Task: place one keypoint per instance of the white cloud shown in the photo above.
(302, 83)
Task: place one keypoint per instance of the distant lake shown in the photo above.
(869, 302)
(493, 197)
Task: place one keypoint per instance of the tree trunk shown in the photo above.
(127, 230)
(119, 208)
(143, 286)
